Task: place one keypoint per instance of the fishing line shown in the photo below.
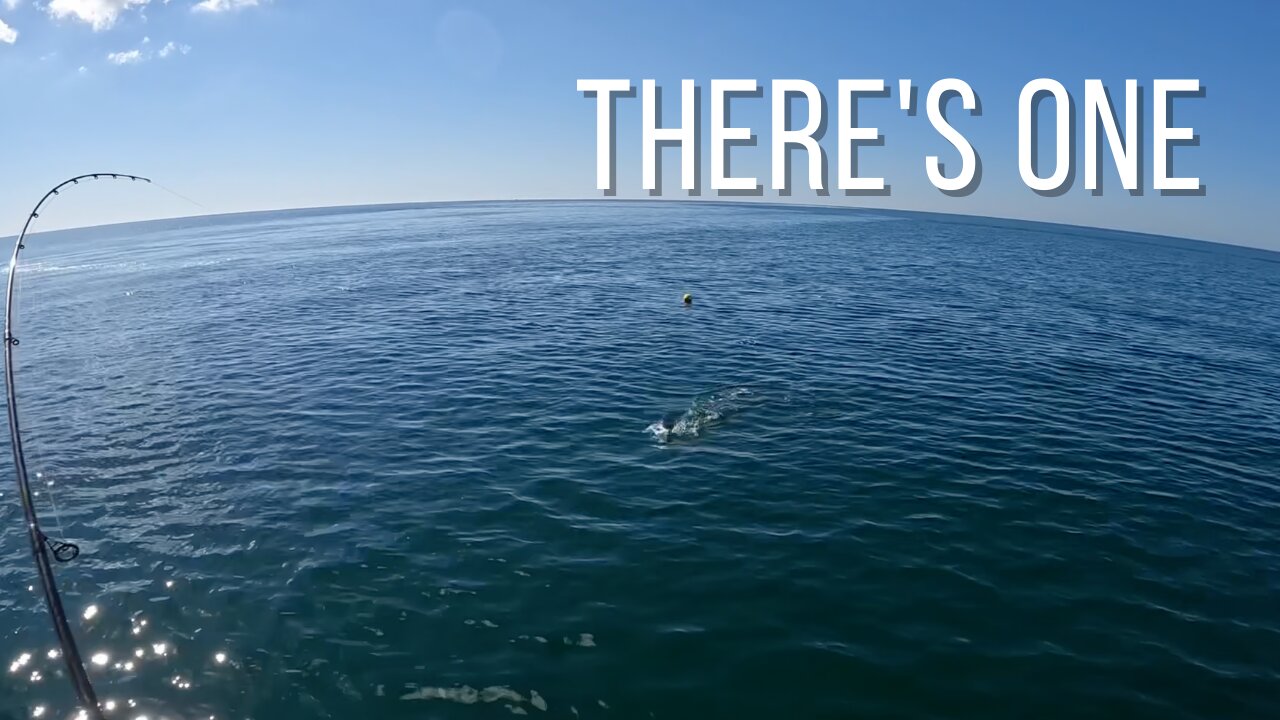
(29, 301)
(180, 196)
(42, 546)
(53, 503)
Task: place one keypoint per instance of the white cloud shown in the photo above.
(171, 48)
(142, 54)
(101, 14)
(11, 4)
(7, 34)
(214, 6)
(128, 57)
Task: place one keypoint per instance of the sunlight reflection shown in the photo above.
(20, 662)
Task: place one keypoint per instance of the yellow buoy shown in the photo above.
(688, 299)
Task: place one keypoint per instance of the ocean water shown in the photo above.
(464, 461)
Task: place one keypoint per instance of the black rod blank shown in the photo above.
(39, 541)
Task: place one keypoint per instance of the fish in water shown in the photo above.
(664, 427)
(705, 411)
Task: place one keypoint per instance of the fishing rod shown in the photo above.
(42, 546)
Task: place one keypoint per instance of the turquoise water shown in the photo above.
(476, 459)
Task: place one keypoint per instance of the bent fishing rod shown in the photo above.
(42, 546)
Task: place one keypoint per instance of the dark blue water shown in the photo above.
(404, 464)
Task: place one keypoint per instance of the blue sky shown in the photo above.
(247, 105)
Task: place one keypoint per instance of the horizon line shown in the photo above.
(687, 201)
